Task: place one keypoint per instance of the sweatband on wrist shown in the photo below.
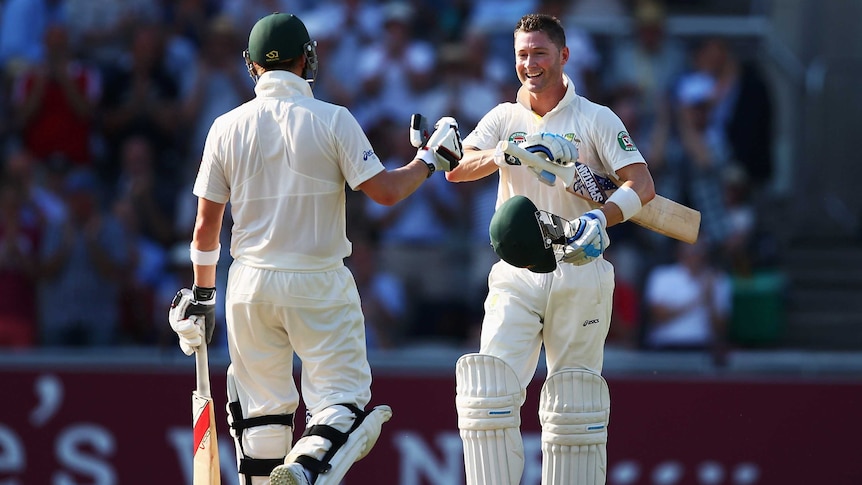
(427, 156)
(627, 200)
(205, 258)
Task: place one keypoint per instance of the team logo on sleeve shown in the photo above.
(625, 141)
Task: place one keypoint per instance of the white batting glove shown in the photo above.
(443, 150)
(196, 301)
(555, 147)
(190, 331)
(503, 159)
(586, 238)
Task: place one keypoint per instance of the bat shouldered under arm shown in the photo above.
(660, 215)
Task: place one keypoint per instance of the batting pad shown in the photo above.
(488, 400)
(358, 444)
(574, 409)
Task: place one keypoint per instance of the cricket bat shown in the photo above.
(660, 215)
(206, 464)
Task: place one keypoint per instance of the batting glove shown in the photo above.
(503, 159)
(197, 301)
(586, 238)
(190, 331)
(555, 147)
(443, 149)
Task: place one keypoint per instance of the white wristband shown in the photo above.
(205, 258)
(627, 200)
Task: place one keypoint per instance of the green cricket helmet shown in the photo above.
(523, 236)
(279, 37)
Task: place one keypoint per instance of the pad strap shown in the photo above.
(335, 437)
(258, 467)
(243, 424)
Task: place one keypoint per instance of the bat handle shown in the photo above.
(202, 368)
(566, 173)
(418, 130)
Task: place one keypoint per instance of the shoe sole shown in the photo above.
(283, 475)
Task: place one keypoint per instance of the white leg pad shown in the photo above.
(488, 400)
(262, 442)
(574, 410)
(359, 443)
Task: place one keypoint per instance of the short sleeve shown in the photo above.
(211, 182)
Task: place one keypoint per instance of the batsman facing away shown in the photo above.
(282, 160)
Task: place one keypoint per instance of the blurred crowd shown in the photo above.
(106, 104)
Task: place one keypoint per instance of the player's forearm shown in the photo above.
(205, 275)
(475, 164)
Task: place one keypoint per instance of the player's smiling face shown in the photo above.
(538, 62)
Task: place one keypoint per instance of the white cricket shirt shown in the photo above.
(602, 140)
(282, 160)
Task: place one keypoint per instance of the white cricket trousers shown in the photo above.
(272, 314)
(567, 310)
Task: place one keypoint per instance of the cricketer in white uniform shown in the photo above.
(567, 306)
(282, 160)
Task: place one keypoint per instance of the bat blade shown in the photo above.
(206, 460)
(660, 215)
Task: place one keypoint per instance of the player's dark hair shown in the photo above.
(539, 22)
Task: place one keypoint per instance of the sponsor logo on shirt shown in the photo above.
(589, 181)
(590, 322)
(367, 154)
(518, 137)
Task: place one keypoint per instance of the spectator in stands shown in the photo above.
(479, 200)
(704, 154)
(83, 262)
(22, 29)
(218, 83)
(688, 302)
(420, 228)
(741, 244)
(151, 200)
(626, 315)
(246, 12)
(39, 180)
(141, 97)
(396, 71)
(612, 9)
(465, 90)
(20, 234)
(742, 108)
(645, 66)
(140, 315)
(101, 29)
(55, 100)
(385, 303)
(342, 29)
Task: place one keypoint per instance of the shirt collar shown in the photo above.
(282, 83)
(524, 95)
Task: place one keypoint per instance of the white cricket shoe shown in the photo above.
(290, 474)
